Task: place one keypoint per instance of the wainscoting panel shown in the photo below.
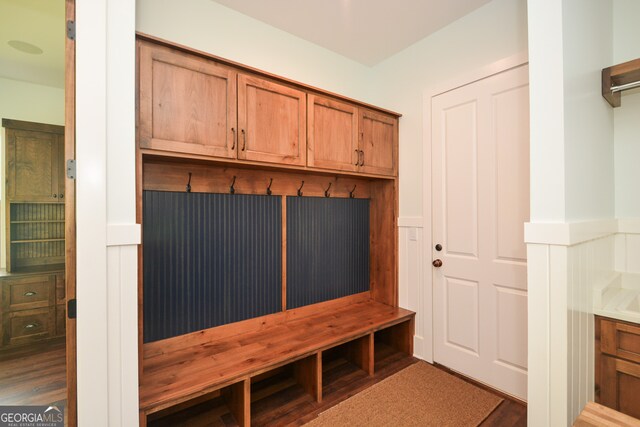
(327, 249)
(412, 286)
(561, 326)
(209, 260)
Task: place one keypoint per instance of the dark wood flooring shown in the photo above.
(34, 374)
(277, 400)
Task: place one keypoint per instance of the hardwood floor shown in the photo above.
(34, 375)
(277, 400)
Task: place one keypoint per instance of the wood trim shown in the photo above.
(246, 68)
(251, 164)
(284, 253)
(70, 216)
(33, 126)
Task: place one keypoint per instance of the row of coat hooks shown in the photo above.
(232, 189)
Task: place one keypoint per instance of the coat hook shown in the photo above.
(269, 187)
(326, 192)
(351, 196)
(189, 184)
(232, 190)
(300, 189)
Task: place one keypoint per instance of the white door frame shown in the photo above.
(462, 79)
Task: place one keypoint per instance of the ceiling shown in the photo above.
(367, 31)
(40, 23)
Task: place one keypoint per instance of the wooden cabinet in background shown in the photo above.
(187, 103)
(378, 143)
(272, 119)
(35, 159)
(618, 365)
(332, 141)
(32, 307)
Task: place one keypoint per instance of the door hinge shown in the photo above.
(71, 309)
(71, 30)
(71, 169)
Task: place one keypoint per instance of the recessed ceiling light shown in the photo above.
(25, 47)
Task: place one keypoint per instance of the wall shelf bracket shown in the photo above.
(618, 78)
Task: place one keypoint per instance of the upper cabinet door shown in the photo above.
(332, 134)
(187, 103)
(272, 122)
(34, 166)
(378, 142)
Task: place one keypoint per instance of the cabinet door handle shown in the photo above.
(233, 140)
(31, 326)
(30, 293)
(244, 139)
(362, 161)
(357, 157)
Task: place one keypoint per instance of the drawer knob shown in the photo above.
(30, 293)
(31, 326)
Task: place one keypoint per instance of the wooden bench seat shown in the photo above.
(173, 375)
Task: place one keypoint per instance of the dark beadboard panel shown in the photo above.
(209, 260)
(327, 249)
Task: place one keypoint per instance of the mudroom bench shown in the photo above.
(226, 360)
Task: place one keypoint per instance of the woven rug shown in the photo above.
(419, 395)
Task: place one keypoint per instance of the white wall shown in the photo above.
(33, 103)
(571, 234)
(216, 29)
(626, 33)
(494, 31)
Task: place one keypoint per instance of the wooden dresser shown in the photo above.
(32, 306)
(32, 288)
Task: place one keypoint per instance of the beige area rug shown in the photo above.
(419, 395)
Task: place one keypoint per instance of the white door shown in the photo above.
(480, 168)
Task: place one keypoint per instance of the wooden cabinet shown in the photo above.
(35, 159)
(193, 105)
(32, 307)
(272, 121)
(187, 103)
(332, 139)
(378, 143)
(618, 365)
(345, 137)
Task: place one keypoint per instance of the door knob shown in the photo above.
(437, 263)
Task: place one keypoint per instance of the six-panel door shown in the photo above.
(187, 103)
(272, 119)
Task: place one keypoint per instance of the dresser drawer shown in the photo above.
(28, 292)
(620, 339)
(21, 327)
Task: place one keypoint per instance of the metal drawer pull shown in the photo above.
(31, 326)
(30, 293)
